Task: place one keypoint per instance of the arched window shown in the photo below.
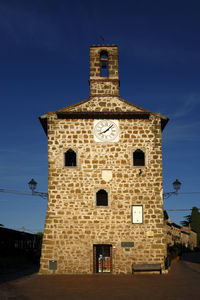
(104, 63)
(102, 198)
(70, 158)
(138, 158)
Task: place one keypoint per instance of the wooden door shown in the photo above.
(102, 258)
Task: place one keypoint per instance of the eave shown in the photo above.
(103, 115)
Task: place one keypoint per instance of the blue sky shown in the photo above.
(44, 66)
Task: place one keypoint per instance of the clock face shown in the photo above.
(106, 131)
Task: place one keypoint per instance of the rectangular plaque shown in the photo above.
(137, 214)
(150, 233)
(52, 264)
(127, 244)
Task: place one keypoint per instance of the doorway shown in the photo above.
(102, 258)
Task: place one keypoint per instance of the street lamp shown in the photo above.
(176, 185)
(32, 185)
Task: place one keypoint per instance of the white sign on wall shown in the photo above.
(137, 214)
(106, 175)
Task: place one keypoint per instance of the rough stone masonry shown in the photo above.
(81, 236)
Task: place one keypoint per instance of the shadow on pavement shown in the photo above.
(9, 274)
(193, 257)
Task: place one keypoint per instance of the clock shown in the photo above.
(106, 130)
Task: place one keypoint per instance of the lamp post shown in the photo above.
(32, 185)
(176, 185)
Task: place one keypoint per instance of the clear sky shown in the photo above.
(44, 66)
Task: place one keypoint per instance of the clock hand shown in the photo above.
(106, 129)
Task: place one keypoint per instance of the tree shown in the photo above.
(187, 221)
(40, 234)
(194, 221)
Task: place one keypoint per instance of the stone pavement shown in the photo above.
(182, 282)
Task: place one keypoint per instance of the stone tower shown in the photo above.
(105, 207)
(104, 71)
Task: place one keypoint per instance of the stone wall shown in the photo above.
(180, 235)
(104, 85)
(192, 240)
(101, 104)
(74, 223)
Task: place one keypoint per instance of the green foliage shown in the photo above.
(187, 221)
(40, 234)
(174, 251)
(194, 221)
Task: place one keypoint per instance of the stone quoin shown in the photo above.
(105, 206)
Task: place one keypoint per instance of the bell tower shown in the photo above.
(104, 71)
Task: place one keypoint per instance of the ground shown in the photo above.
(182, 282)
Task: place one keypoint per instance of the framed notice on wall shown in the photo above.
(137, 214)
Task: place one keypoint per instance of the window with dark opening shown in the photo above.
(102, 198)
(70, 158)
(104, 63)
(138, 158)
